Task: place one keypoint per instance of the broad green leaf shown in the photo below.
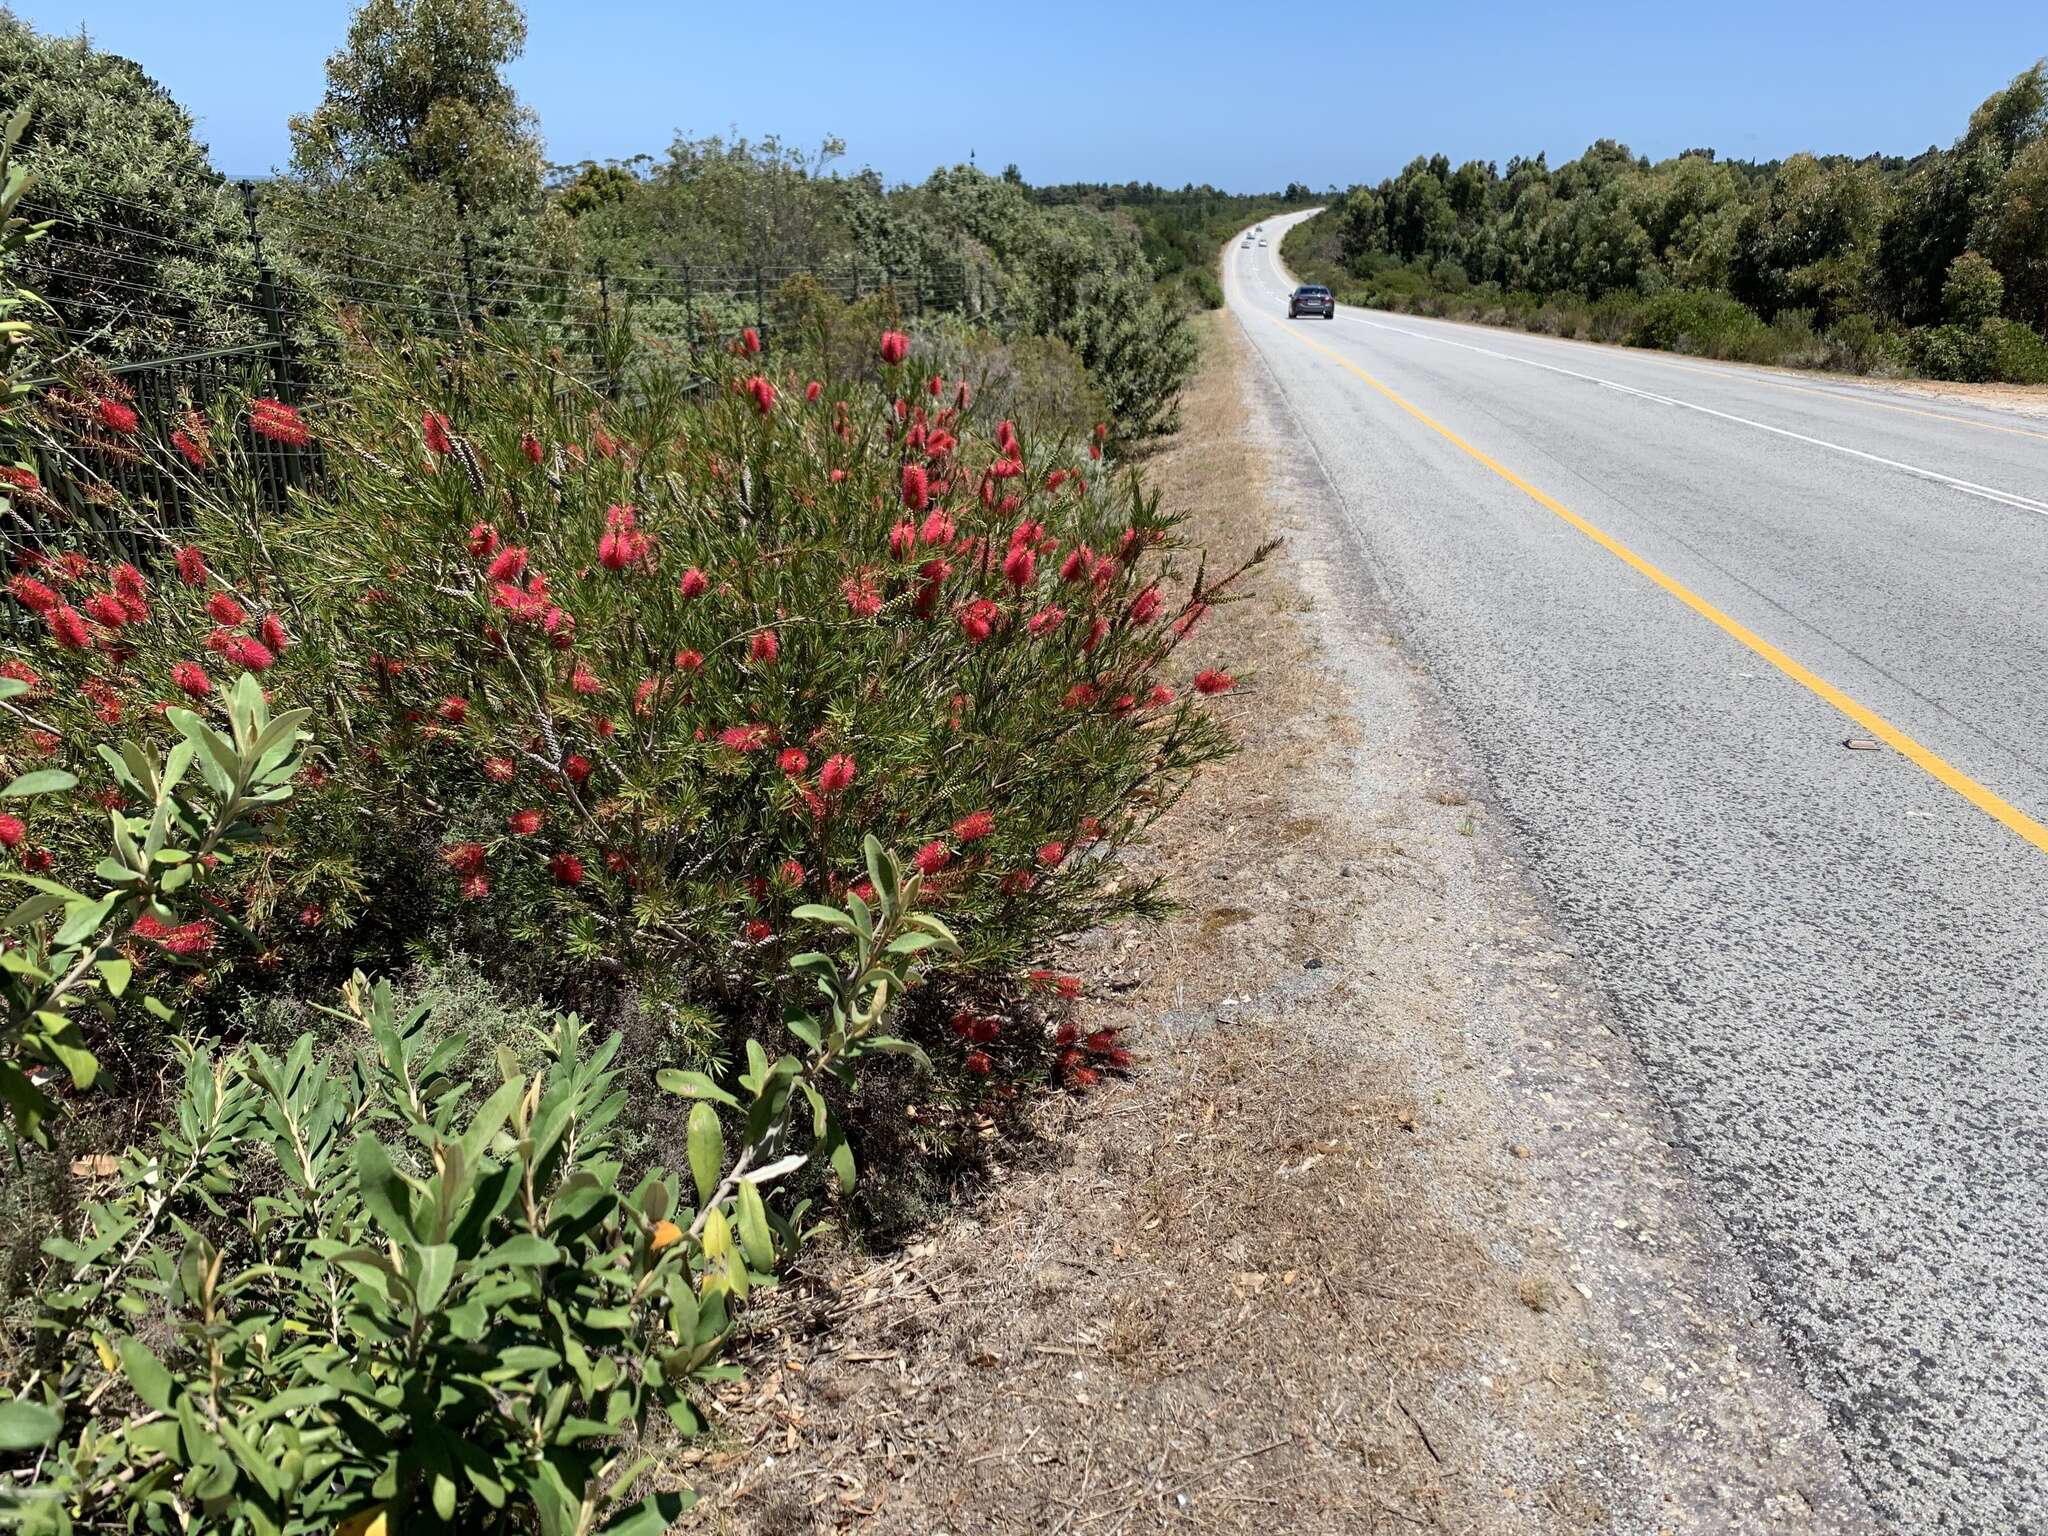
(693, 1085)
(25, 1425)
(707, 1149)
(755, 1239)
(652, 1515)
(43, 781)
(146, 1374)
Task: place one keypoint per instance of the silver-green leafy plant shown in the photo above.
(70, 953)
(348, 1296)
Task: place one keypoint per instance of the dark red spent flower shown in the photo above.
(434, 428)
(476, 888)
(895, 347)
(978, 1063)
(755, 931)
(192, 679)
(694, 583)
(192, 566)
(974, 826)
(689, 661)
(916, 487)
(454, 709)
(279, 422)
(311, 915)
(67, 627)
(117, 416)
(464, 858)
(223, 609)
(837, 774)
(12, 830)
(524, 823)
(566, 868)
(1213, 681)
(530, 446)
(500, 770)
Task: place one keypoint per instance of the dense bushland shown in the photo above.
(1934, 263)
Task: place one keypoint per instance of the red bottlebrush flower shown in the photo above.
(483, 540)
(253, 654)
(963, 1024)
(310, 915)
(935, 386)
(837, 774)
(1079, 564)
(192, 678)
(524, 823)
(434, 428)
(932, 857)
(117, 417)
(694, 583)
(606, 445)
(978, 1063)
(12, 830)
(1101, 430)
(194, 454)
(1159, 697)
(464, 858)
(128, 581)
(790, 873)
(73, 566)
(1213, 681)
(1050, 854)
(1095, 450)
(1020, 566)
(1082, 1077)
(916, 487)
(21, 672)
(744, 738)
(812, 390)
(192, 566)
(763, 394)
(1190, 619)
(986, 1031)
(974, 826)
(1017, 882)
(938, 528)
(106, 608)
(1080, 696)
(279, 422)
(476, 888)
(1046, 620)
(45, 742)
(67, 626)
(1056, 479)
(21, 479)
(689, 661)
(566, 868)
(1145, 606)
(37, 860)
(223, 609)
(33, 595)
(862, 595)
(1096, 631)
(895, 347)
(500, 770)
(762, 646)
(903, 540)
(454, 709)
(575, 768)
(604, 727)
(274, 635)
(1006, 434)
(978, 620)
(584, 681)
(509, 565)
(530, 446)
(754, 931)
(645, 692)
(750, 340)
(838, 475)
(794, 761)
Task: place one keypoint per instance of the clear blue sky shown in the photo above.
(1245, 97)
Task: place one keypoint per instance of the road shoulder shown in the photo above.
(1388, 1231)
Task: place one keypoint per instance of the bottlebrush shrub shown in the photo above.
(348, 1298)
(622, 682)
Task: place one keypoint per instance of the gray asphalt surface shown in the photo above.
(1830, 962)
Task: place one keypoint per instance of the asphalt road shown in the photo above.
(1650, 611)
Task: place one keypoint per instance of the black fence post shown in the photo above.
(276, 457)
(760, 310)
(468, 259)
(689, 311)
(604, 292)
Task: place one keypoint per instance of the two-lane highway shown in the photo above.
(1661, 595)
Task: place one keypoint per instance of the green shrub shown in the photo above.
(347, 1296)
(2019, 354)
(1698, 321)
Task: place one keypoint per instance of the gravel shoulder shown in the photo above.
(1387, 1233)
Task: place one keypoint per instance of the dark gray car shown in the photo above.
(1312, 300)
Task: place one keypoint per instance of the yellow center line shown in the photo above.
(1937, 767)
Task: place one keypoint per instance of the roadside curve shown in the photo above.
(1671, 604)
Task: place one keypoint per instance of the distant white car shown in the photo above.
(1262, 242)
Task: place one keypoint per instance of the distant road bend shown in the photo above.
(1663, 597)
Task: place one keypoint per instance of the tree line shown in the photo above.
(1937, 262)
